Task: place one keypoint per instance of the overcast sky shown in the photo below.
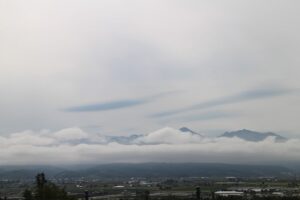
(120, 67)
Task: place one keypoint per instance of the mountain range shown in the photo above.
(126, 170)
(244, 134)
(253, 136)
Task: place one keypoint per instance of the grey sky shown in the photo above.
(110, 56)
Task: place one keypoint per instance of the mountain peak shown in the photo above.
(187, 130)
(253, 136)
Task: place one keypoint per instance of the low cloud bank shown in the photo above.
(74, 146)
(169, 136)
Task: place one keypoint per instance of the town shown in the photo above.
(153, 188)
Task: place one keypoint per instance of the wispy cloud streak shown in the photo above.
(118, 104)
(237, 98)
(204, 116)
(106, 106)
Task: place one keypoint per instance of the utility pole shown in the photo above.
(86, 195)
(147, 194)
(198, 193)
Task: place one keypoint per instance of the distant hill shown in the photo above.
(156, 170)
(253, 136)
(27, 172)
(152, 170)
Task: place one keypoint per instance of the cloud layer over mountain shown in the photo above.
(74, 146)
(127, 67)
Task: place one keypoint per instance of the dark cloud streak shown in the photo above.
(118, 104)
(106, 106)
(237, 98)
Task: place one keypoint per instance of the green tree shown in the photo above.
(45, 190)
(27, 195)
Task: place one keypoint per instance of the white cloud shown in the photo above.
(45, 148)
(26, 138)
(169, 136)
(70, 134)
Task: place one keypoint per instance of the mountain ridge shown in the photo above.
(187, 130)
(245, 134)
(253, 136)
(153, 170)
